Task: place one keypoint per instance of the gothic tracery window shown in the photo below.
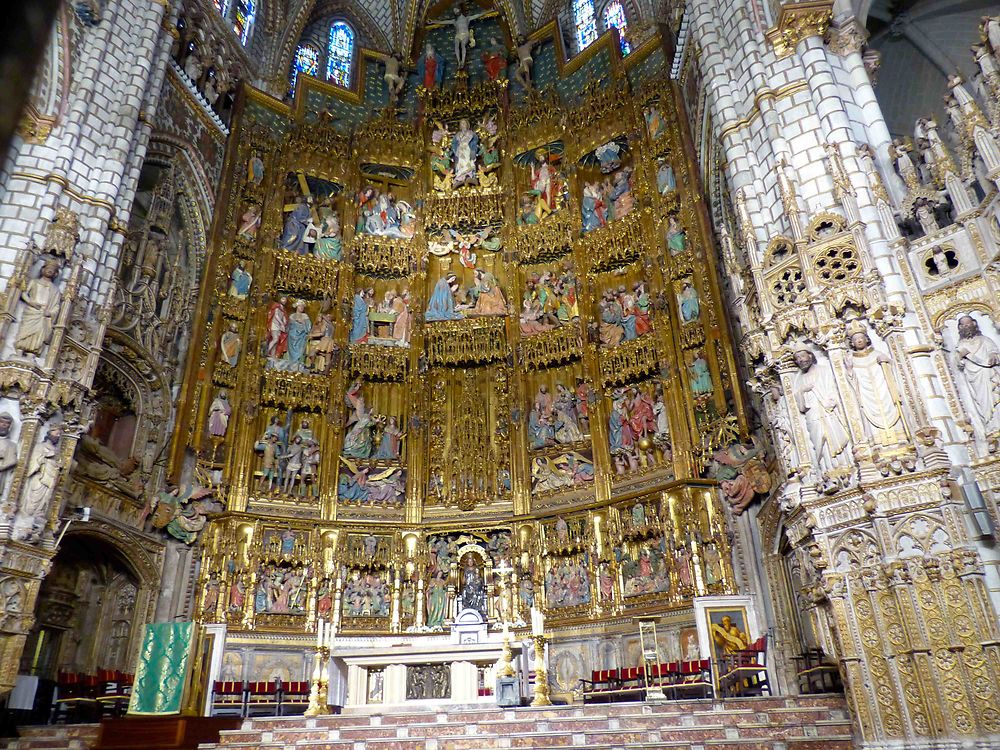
(340, 54)
(586, 23)
(614, 15)
(306, 61)
(244, 12)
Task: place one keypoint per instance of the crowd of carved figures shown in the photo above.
(483, 299)
(649, 552)
(315, 278)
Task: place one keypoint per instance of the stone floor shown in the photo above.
(792, 723)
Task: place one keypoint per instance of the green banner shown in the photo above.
(162, 671)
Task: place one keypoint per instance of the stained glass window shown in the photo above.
(586, 22)
(222, 6)
(306, 61)
(614, 15)
(243, 15)
(339, 54)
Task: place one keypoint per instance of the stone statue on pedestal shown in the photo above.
(40, 484)
(816, 398)
(41, 306)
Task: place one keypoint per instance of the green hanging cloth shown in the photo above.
(162, 672)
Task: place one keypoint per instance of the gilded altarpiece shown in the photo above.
(482, 336)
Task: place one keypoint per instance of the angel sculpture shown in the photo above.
(183, 511)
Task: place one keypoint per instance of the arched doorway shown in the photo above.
(86, 615)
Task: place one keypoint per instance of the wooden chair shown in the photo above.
(228, 698)
(294, 698)
(745, 672)
(817, 673)
(693, 680)
(76, 699)
(114, 691)
(601, 686)
(262, 698)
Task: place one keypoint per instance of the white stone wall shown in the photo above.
(91, 159)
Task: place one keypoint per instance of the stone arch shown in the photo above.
(93, 605)
(854, 549)
(920, 534)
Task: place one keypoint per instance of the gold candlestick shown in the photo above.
(319, 690)
(541, 674)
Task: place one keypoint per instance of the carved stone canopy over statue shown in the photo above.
(63, 234)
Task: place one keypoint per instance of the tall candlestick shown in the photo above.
(320, 627)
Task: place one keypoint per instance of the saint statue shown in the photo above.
(524, 62)
(876, 388)
(329, 244)
(473, 594)
(277, 329)
(977, 359)
(41, 300)
(8, 449)
(299, 218)
(437, 602)
(218, 415)
(817, 400)
(442, 302)
(239, 282)
(676, 238)
(495, 60)
(230, 345)
(359, 316)
(687, 300)
(464, 150)
(40, 483)
(299, 326)
(430, 68)
(666, 181)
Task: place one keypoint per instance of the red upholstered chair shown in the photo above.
(600, 686)
(694, 680)
(262, 698)
(745, 672)
(632, 681)
(76, 699)
(228, 698)
(113, 693)
(294, 698)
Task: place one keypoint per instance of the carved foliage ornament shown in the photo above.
(799, 21)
